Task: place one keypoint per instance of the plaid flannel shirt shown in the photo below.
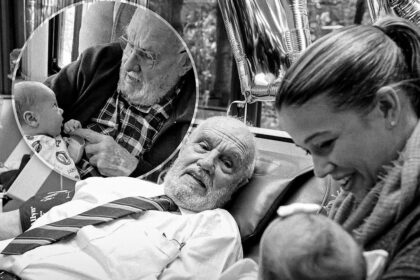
(134, 128)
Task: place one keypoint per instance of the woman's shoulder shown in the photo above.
(409, 227)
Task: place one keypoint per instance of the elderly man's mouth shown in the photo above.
(131, 79)
(198, 179)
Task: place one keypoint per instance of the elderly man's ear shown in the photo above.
(184, 62)
(243, 182)
(31, 119)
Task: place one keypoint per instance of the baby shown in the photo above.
(308, 246)
(41, 121)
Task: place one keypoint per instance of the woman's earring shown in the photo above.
(392, 123)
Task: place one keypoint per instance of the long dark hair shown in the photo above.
(351, 64)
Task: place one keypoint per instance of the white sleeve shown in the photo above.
(213, 246)
(245, 269)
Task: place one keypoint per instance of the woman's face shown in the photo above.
(346, 145)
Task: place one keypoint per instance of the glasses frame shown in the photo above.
(150, 57)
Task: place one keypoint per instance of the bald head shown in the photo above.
(236, 130)
(308, 246)
(216, 160)
(146, 28)
(28, 95)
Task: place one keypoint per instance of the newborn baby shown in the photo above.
(41, 121)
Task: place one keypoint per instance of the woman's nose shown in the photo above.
(322, 166)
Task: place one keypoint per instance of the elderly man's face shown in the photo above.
(211, 165)
(151, 61)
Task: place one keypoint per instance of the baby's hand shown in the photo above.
(71, 126)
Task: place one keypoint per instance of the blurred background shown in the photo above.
(53, 33)
(61, 39)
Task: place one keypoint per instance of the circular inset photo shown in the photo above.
(105, 89)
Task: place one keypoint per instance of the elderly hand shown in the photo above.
(107, 155)
(295, 208)
(71, 126)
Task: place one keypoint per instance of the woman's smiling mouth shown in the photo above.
(345, 183)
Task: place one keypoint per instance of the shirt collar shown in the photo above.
(186, 212)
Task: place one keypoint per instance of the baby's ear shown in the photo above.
(31, 119)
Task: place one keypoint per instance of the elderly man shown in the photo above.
(200, 243)
(136, 98)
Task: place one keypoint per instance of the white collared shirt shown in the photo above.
(150, 245)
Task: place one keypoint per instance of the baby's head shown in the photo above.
(37, 109)
(307, 246)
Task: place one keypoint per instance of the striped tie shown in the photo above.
(53, 232)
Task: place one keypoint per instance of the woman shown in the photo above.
(352, 101)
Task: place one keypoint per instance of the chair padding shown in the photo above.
(273, 183)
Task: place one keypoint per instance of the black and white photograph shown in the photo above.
(209, 139)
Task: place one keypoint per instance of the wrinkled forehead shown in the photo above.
(148, 31)
(230, 137)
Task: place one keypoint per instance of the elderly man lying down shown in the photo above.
(199, 241)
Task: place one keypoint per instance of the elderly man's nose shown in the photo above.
(207, 162)
(322, 166)
(131, 64)
(61, 111)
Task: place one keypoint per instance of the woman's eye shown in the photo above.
(325, 145)
(307, 152)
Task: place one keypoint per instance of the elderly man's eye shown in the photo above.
(227, 163)
(150, 58)
(203, 146)
(148, 55)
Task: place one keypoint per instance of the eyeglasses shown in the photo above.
(149, 57)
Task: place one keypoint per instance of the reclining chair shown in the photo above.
(274, 184)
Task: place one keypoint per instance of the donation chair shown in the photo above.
(276, 182)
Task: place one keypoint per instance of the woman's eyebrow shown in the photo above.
(311, 137)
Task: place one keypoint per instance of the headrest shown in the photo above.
(273, 182)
